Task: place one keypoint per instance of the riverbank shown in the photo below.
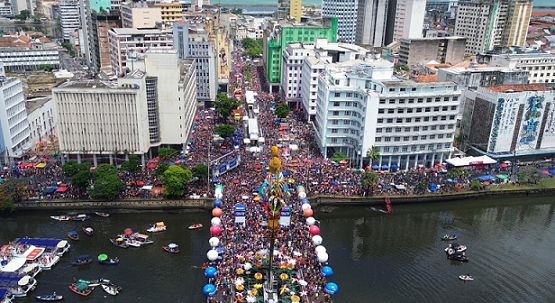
(318, 201)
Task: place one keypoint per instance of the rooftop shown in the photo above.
(412, 83)
(140, 31)
(86, 84)
(33, 104)
(517, 88)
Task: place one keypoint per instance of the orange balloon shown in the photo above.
(301, 190)
(308, 212)
(216, 212)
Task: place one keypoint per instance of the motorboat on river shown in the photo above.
(103, 259)
(449, 237)
(120, 242)
(102, 214)
(60, 218)
(466, 277)
(171, 248)
(88, 231)
(73, 235)
(81, 289)
(195, 226)
(157, 227)
(52, 297)
(455, 248)
(82, 217)
(110, 289)
(62, 247)
(23, 286)
(82, 260)
(458, 257)
(142, 238)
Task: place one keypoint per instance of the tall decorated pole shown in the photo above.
(275, 195)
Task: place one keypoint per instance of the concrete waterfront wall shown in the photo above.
(158, 204)
(316, 201)
(430, 198)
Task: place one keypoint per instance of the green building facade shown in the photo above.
(294, 33)
(97, 4)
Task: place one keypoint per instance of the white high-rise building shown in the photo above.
(371, 22)
(364, 105)
(192, 42)
(152, 105)
(69, 17)
(14, 126)
(409, 19)
(346, 13)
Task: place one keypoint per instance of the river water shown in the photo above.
(376, 257)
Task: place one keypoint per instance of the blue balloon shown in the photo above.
(327, 271)
(331, 288)
(210, 272)
(305, 201)
(217, 203)
(209, 290)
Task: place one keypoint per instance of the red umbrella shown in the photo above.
(306, 160)
(485, 183)
(236, 181)
(434, 169)
(223, 147)
(504, 165)
(257, 166)
(128, 232)
(440, 165)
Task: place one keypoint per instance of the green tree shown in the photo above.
(67, 45)
(23, 15)
(133, 165)
(167, 153)
(373, 153)
(252, 47)
(236, 11)
(400, 66)
(81, 179)
(176, 179)
(476, 185)
(369, 179)
(11, 192)
(282, 110)
(225, 105)
(224, 130)
(71, 168)
(200, 171)
(160, 169)
(338, 156)
(457, 173)
(106, 187)
(104, 170)
(46, 67)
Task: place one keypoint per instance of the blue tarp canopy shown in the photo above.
(171, 163)
(433, 187)
(552, 171)
(50, 190)
(38, 242)
(486, 178)
(375, 166)
(83, 257)
(215, 180)
(394, 166)
(284, 173)
(385, 167)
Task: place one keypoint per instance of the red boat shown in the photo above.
(171, 248)
(88, 231)
(82, 292)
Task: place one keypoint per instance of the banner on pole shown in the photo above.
(285, 218)
(240, 214)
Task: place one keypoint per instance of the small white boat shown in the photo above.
(159, 226)
(32, 269)
(60, 218)
(62, 247)
(466, 277)
(456, 247)
(133, 243)
(24, 285)
(102, 214)
(195, 226)
(46, 262)
(111, 290)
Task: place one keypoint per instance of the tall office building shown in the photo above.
(14, 126)
(287, 8)
(371, 22)
(192, 42)
(492, 23)
(69, 17)
(100, 42)
(409, 19)
(346, 13)
(151, 106)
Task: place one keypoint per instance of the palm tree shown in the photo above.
(373, 153)
(369, 180)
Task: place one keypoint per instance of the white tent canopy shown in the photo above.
(294, 147)
(468, 161)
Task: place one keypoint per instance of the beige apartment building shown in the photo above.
(170, 12)
(140, 15)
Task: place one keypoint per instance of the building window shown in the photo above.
(337, 95)
(336, 113)
(380, 120)
(397, 129)
(391, 111)
(397, 139)
(336, 104)
(379, 130)
(334, 130)
(381, 111)
(392, 101)
(387, 139)
(388, 129)
(415, 138)
(407, 129)
(406, 138)
(382, 101)
(408, 120)
(389, 120)
(378, 139)
(416, 128)
(335, 122)
(423, 137)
